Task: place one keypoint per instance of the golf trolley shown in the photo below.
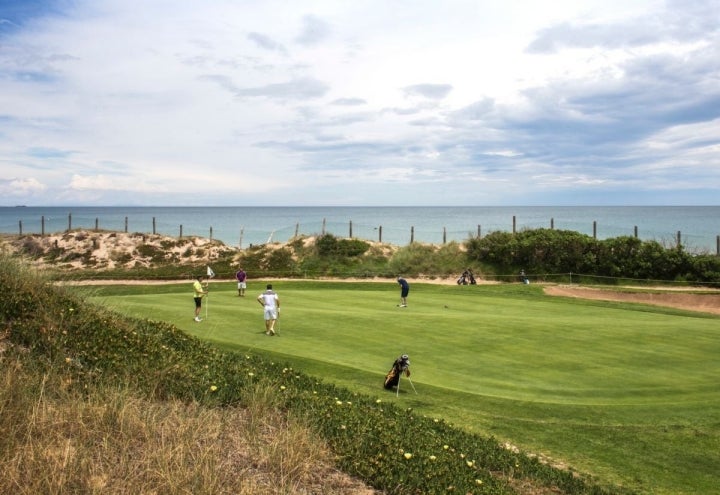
(467, 278)
(400, 366)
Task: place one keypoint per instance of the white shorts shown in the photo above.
(270, 313)
(242, 285)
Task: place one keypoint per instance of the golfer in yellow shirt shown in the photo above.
(200, 292)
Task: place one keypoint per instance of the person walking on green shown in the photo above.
(200, 291)
(270, 302)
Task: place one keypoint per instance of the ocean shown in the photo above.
(698, 226)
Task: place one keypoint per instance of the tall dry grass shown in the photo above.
(60, 440)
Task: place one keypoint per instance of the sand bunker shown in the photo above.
(705, 302)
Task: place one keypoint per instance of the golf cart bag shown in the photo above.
(466, 278)
(400, 366)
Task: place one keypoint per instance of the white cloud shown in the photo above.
(21, 188)
(314, 30)
(105, 183)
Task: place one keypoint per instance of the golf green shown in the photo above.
(627, 392)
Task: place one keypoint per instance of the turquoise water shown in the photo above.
(699, 226)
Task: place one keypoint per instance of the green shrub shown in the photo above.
(329, 245)
(547, 251)
(151, 252)
(706, 268)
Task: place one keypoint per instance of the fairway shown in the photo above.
(624, 391)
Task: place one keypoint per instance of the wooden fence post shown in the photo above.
(69, 222)
(97, 222)
(42, 226)
(479, 232)
(20, 226)
(635, 230)
(552, 224)
(211, 232)
(679, 240)
(380, 234)
(126, 225)
(323, 227)
(444, 235)
(153, 225)
(514, 223)
(350, 229)
(180, 231)
(412, 234)
(594, 229)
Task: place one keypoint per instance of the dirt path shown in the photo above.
(706, 303)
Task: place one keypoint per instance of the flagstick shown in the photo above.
(210, 275)
(207, 298)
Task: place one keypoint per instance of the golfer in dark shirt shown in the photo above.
(404, 289)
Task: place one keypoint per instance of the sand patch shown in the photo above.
(78, 250)
(706, 302)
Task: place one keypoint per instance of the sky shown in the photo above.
(363, 103)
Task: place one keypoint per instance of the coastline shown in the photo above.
(241, 226)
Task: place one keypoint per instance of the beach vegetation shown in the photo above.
(330, 246)
(543, 254)
(550, 254)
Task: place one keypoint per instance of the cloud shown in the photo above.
(566, 35)
(112, 183)
(21, 187)
(314, 30)
(349, 102)
(49, 153)
(430, 91)
(680, 22)
(267, 43)
(297, 89)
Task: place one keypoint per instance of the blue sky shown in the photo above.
(377, 102)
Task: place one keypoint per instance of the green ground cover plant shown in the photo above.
(624, 392)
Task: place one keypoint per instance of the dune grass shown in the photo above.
(110, 439)
(624, 392)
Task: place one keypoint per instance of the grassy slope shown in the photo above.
(627, 392)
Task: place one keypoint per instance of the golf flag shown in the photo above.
(210, 272)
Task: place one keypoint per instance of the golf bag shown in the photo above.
(466, 278)
(400, 366)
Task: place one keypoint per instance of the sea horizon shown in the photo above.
(697, 226)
